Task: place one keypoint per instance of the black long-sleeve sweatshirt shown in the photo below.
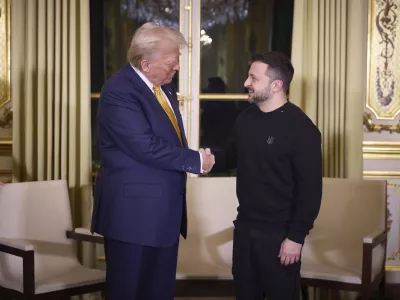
(279, 169)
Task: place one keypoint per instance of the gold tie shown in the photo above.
(160, 97)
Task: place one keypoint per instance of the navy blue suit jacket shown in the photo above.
(140, 191)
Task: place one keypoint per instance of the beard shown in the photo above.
(260, 96)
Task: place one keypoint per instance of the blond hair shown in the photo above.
(146, 38)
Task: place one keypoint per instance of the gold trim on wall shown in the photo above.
(5, 146)
(381, 174)
(4, 173)
(4, 52)
(391, 268)
(372, 127)
(382, 93)
(381, 150)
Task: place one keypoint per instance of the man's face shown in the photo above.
(258, 83)
(164, 65)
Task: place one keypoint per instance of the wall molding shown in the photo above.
(5, 146)
(381, 174)
(372, 127)
(381, 150)
(382, 69)
(5, 172)
(4, 52)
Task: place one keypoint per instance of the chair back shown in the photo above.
(38, 213)
(351, 209)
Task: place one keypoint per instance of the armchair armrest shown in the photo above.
(25, 250)
(15, 244)
(374, 257)
(375, 238)
(84, 235)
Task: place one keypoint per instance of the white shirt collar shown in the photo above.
(144, 78)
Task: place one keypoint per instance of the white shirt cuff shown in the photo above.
(201, 164)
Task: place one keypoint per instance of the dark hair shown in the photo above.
(279, 67)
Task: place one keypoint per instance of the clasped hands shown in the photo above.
(208, 160)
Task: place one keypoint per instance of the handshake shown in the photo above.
(208, 160)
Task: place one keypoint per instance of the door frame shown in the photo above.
(189, 94)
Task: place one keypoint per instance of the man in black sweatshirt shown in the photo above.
(279, 184)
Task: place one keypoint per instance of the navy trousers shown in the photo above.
(137, 272)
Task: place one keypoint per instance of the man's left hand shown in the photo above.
(290, 252)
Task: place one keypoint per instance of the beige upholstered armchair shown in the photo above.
(38, 258)
(346, 250)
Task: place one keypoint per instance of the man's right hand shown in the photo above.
(208, 160)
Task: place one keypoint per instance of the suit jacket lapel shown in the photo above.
(174, 103)
(141, 85)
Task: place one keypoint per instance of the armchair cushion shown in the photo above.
(331, 273)
(76, 276)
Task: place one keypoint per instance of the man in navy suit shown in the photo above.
(140, 192)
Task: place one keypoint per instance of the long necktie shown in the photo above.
(160, 97)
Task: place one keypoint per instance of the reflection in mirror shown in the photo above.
(232, 31)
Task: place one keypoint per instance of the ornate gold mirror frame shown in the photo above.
(4, 52)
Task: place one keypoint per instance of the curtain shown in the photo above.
(329, 56)
(50, 83)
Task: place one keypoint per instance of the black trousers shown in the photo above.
(256, 267)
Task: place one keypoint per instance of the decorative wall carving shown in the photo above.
(5, 147)
(383, 90)
(4, 52)
(372, 127)
(6, 118)
(383, 75)
(5, 83)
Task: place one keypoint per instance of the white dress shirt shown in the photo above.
(150, 85)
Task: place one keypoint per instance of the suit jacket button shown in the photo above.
(183, 167)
